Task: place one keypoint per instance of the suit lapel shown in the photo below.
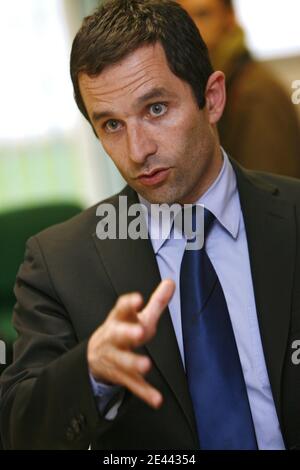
(131, 266)
(271, 235)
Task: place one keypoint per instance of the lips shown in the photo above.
(155, 177)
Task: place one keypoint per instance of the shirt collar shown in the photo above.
(221, 199)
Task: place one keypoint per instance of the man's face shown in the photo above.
(149, 123)
(212, 18)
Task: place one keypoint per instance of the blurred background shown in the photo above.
(51, 164)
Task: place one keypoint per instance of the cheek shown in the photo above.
(115, 151)
(191, 136)
(177, 132)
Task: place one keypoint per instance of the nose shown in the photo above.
(140, 142)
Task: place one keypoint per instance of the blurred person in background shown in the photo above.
(259, 127)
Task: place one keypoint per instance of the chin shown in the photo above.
(170, 196)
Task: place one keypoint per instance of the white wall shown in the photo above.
(272, 26)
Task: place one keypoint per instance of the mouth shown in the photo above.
(154, 177)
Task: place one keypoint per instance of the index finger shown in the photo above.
(158, 302)
(127, 307)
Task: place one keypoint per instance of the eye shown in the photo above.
(158, 109)
(112, 125)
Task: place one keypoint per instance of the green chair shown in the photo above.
(15, 228)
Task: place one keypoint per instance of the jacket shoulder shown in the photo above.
(288, 188)
(79, 227)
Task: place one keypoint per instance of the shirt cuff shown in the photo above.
(105, 394)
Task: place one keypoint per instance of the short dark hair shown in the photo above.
(119, 27)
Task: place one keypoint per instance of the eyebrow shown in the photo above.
(153, 94)
(160, 92)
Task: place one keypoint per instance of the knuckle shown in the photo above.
(130, 361)
(122, 301)
(106, 334)
(122, 335)
(118, 332)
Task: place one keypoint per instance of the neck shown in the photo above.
(210, 174)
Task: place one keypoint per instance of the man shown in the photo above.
(93, 364)
(260, 127)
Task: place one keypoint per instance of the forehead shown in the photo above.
(136, 74)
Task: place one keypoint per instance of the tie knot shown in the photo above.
(195, 221)
(208, 221)
(204, 222)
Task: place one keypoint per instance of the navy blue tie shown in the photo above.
(213, 367)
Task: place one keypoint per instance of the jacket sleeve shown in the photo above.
(47, 400)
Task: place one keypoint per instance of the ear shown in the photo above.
(215, 95)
